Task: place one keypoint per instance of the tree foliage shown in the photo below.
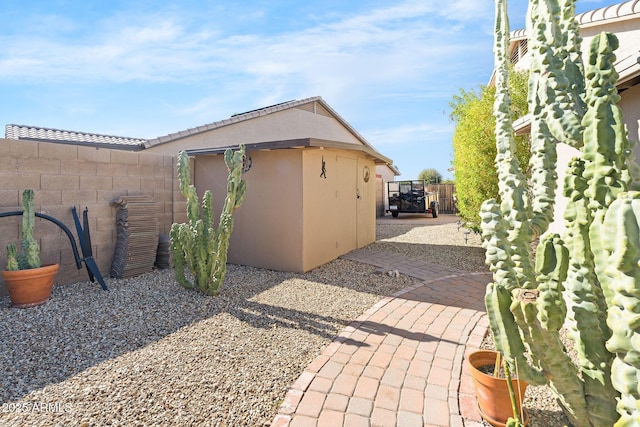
(431, 176)
(474, 147)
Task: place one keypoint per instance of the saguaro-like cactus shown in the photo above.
(588, 279)
(30, 256)
(197, 246)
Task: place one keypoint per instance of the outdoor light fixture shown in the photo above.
(247, 162)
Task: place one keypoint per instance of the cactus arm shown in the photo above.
(178, 256)
(586, 320)
(30, 246)
(12, 260)
(505, 331)
(622, 222)
(543, 150)
(511, 181)
(552, 262)
(497, 246)
(236, 188)
(547, 350)
(605, 169)
(561, 58)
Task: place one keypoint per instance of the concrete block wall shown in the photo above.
(63, 176)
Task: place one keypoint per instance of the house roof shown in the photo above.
(237, 118)
(604, 15)
(124, 143)
(33, 133)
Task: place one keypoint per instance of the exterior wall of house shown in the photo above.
(383, 175)
(63, 176)
(293, 123)
(268, 225)
(630, 104)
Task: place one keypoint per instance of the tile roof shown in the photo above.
(71, 137)
(614, 12)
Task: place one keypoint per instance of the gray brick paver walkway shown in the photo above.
(411, 371)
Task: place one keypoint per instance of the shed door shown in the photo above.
(366, 201)
(347, 204)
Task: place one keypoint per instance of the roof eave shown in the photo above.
(293, 144)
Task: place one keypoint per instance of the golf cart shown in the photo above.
(411, 197)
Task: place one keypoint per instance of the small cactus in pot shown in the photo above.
(29, 282)
(30, 256)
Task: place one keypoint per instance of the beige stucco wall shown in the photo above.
(292, 219)
(630, 104)
(293, 123)
(268, 226)
(64, 175)
(627, 32)
(385, 175)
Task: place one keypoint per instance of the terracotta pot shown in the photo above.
(28, 288)
(492, 392)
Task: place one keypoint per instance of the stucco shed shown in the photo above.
(311, 182)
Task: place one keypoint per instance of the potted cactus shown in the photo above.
(498, 401)
(28, 282)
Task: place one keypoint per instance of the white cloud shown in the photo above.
(383, 45)
(407, 134)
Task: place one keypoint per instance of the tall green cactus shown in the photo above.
(197, 246)
(30, 256)
(589, 279)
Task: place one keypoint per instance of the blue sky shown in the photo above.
(146, 68)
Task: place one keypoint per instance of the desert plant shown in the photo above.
(588, 279)
(30, 255)
(197, 245)
(474, 147)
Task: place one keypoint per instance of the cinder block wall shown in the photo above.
(63, 176)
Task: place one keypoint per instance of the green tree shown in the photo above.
(431, 176)
(474, 147)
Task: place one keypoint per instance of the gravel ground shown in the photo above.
(444, 244)
(149, 352)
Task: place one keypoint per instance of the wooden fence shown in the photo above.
(445, 196)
